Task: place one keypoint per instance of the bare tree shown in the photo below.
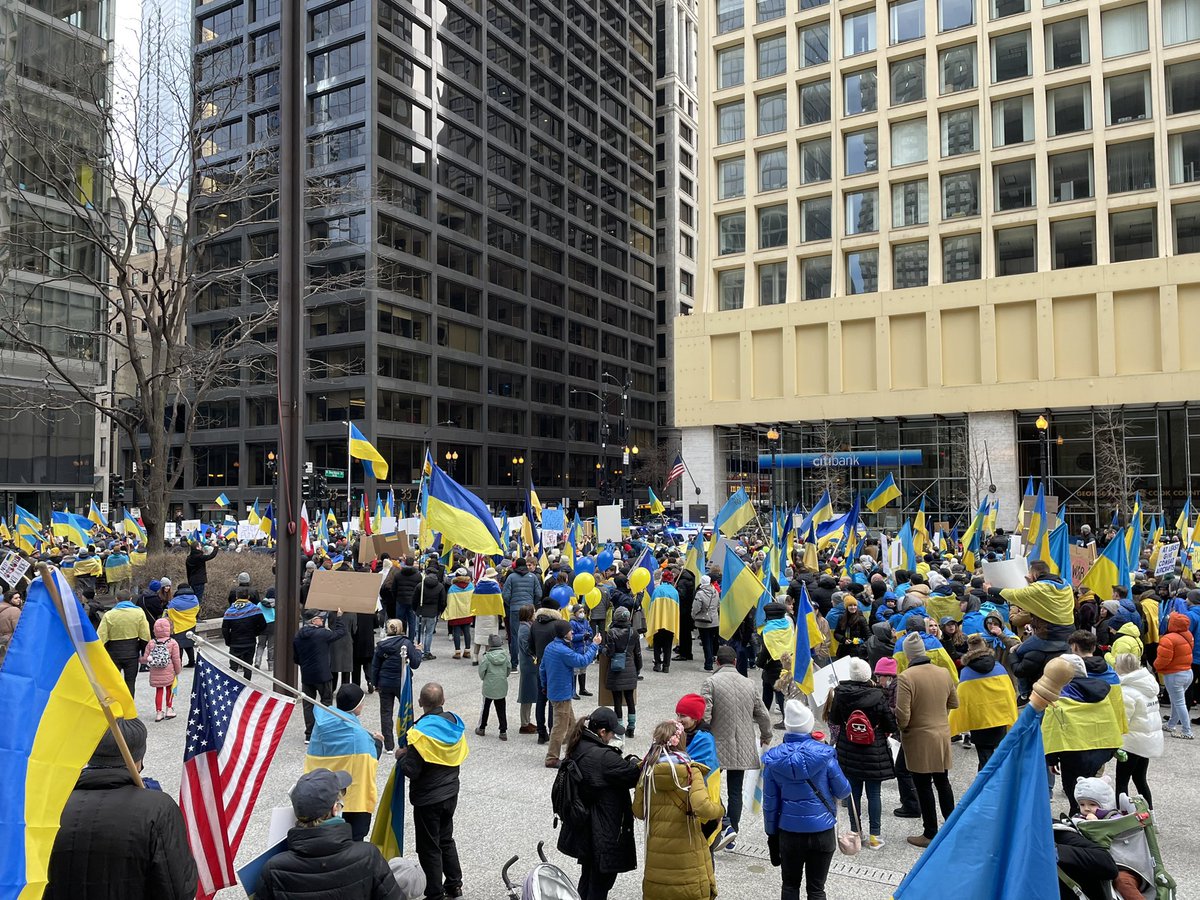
(831, 478)
(1117, 469)
(654, 465)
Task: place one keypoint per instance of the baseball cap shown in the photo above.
(314, 794)
(605, 718)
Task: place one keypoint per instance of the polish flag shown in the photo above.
(305, 532)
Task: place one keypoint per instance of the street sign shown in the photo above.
(335, 473)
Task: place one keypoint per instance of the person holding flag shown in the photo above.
(341, 743)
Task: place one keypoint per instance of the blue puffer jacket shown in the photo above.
(559, 663)
(1193, 614)
(521, 589)
(789, 804)
(1128, 613)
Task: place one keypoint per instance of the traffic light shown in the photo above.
(322, 488)
(118, 488)
(306, 484)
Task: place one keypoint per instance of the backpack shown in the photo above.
(566, 796)
(859, 729)
(160, 654)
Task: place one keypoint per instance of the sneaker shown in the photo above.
(481, 731)
(504, 735)
(158, 716)
(1183, 735)
(170, 712)
(428, 656)
(967, 742)
(551, 762)
(918, 840)
(708, 667)
(474, 662)
(725, 841)
(657, 667)
(874, 842)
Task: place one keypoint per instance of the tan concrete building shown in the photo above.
(931, 222)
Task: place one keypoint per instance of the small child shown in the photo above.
(1098, 800)
(581, 634)
(162, 656)
(494, 670)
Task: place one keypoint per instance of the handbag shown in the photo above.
(849, 842)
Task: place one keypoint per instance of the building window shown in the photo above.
(1185, 157)
(1016, 250)
(910, 203)
(772, 227)
(910, 265)
(910, 142)
(731, 234)
(731, 289)
(1180, 21)
(1127, 98)
(858, 33)
(1066, 43)
(1125, 30)
(731, 178)
(1071, 176)
(1183, 87)
(731, 122)
(862, 212)
(859, 89)
(772, 284)
(1131, 166)
(1133, 235)
(957, 67)
(908, 80)
(862, 151)
(1014, 185)
(770, 9)
(960, 195)
(772, 56)
(814, 103)
(1011, 56)
(1003, 8)
(1069, 109)
(731, 67)
(1012, 121)
(817, 277)
(772, 113)
(815, 161)
(961, 258)
(772, 169)
(731, 14)
(1187, 227)
(862, 272)
(960, 131)
(816, 219)
(1073, 243)
(814, 45)
(955, 14)
(906, 20)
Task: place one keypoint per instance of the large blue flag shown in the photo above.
(387, 833)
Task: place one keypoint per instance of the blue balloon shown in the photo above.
(604, 559)
(562, 594)
(585, 564)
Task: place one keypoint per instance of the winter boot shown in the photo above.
(583, 691)
(632, 722)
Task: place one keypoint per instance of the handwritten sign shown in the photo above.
(1167, 557)
(13, 568)
(1082, 559)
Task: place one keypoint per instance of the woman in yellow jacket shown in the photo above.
(672, 800)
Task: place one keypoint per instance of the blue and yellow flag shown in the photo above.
(28, 529)
(1059, 547)
(1023, 512)
(810, 558)
(183, 610)
(570, 547)
(821, 512)
(387, 832)
(934, 650)
(737, 512)
(808, 635)
(486, 599)
(908, 550)
(459, 516)
(1039, 521)
(222, 500)
(972, 539)
(998, 841)
(885, 492)
(1185, 517)
(117, 568)
(779, 637)
(459, 601)
(1110, 568)
(373, 462)
(1133, 534)
(341, 745)
(133, 527)
(695, 561)
(253, 516)
(75, 529)
(920, 532)
(266, 522)
(656, 507)
(95, 516)
(439, 740)
(663, 612)
(984, 701)
(993, 513)
(54, 669)
(740, 593)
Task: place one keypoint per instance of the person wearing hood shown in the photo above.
(852, 632)
(1105, 629)
(706, 615)
(987, 702)
(494, 669)
(1128, 640)
(264, 647)
(541, 635)
(124, 632)
(862, 747)
(822, 595)
(1144, 739)
(164, 663)
(241, 625)
(429, 603)
(881, 643)
(1127, 610)
(557, 671)
(1174, 664)
(802, 785)
(623, 651)
(387, 673)
(151, 600)
(883, 610)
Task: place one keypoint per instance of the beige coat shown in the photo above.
(734, 712)
(925, 694)
(679, 865)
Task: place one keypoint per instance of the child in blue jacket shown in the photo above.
(581, 634)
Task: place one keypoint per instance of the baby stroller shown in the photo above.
(545, 881)
(1133, 842)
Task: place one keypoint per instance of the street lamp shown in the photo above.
(773, 440)
(517, 461)
(1043, 427)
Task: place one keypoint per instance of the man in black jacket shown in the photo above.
(311, 645)
(117, 840)
(196, 567)
(433, 792)
(322, 858)
(241, 625)
(399, 588)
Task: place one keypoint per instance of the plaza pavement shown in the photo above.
(504, 805)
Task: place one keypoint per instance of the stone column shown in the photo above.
(701, 458)
(993, 440)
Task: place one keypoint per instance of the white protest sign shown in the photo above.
(1007, 573)
(13, 568)
(249, 532)
(1167, 557)
(551, 538)
(826, 679)
(1016, 547)
(187, 526)
(169, 531)
(608, 523)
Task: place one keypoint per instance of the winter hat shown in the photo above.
(494, 641)
(858, 670)
(1112, 606)
(348, 697)
(520, 565)
(108, 755)
(154, 587)
(162, 628)
(1098, 790)
(691, 705)
(244, 579)
(797, 718)
(1076, 663)
(885, 666)
(704, 579)
(165, 582)
(976, 642)
(490, 573)
(409, 876)
(562, 628)
(914, 647)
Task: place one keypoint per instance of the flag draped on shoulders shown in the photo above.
(985, 700)
(439, 740)
(486, 599)
(117, 567)
(458, 601)
(779, 637)
(343, 746)
(183, 611)
(387, 831)
(663, 614)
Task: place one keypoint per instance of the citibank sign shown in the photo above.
(867, 459)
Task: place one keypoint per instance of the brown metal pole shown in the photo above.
(291, 340)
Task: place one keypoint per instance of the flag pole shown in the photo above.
(101, 695)
(349, 476)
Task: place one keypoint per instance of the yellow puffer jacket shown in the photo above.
(678, 862)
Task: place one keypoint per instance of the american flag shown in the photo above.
(480, 566)
(677, 470)
(233, 730)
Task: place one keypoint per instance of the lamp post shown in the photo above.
(1043, 427)
(601, 467)
(452, 462)
(627, 452)
(773, 441)
(517, 461)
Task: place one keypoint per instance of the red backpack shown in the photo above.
(859, 729)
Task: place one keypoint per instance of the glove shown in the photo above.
(773, 847)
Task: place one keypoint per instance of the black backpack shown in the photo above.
(566, 796)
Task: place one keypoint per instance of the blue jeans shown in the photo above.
(425, 628)
(874, 805)
(1177, 685)
(198, 590)
(734, 779)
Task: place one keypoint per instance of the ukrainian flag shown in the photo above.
(266, 522)
(533, 511)
(96, 516)
(694, 562)
(1133, 535)
(252, 516)
(387, 833)
(183, 610)
(28, 528)
(779, 637)
(984, 701)
(134, 528)
(90, 565)
(459, 602)
(663, 614)
(740, 592)
(439, 740)
(656, 507)
(934, 650)
(486, 599)
(4, 532)
(373, 462)
(884, 493)
(908, 547)
(570, 546)
(822, 512)
(1073, 725)
(137, 557)
(1181, 524)
(989, 521)
(838, 529)
(737, 512)
(1110, 568)
(74, 528)
(459, 515)
(810, 560)
(808, 635)
(341, 745)
(117, 568)
(972, 539)
(920, 532)
(1022, 511)
(54, 669)
(1039, 520)
(222, 500)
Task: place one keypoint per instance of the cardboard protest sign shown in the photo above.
(1167, 557)
(1082, 559)
(348, 591)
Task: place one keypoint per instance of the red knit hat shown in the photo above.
(691, 705)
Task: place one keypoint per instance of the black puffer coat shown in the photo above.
(120, 840)
(324, 863)
(399, 588)
(617, 640)
(605, 837)
(386, 666)
(430, 598)
(866, 763)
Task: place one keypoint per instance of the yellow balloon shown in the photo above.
(592, 598)
(584, 583)
(639, 578)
